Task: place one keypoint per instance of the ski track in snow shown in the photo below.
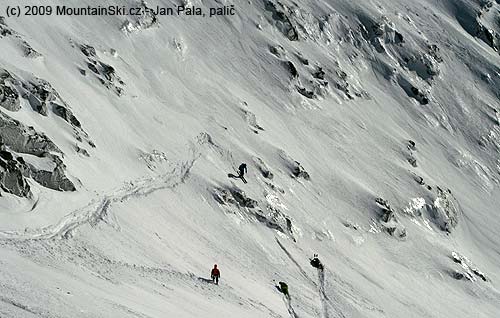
(322, 295)
(97, 210)
(288, 303)
(325, 301)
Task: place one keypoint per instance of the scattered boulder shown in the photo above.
(411, 145)
(412, 91)
(277, 51)
(306, 93)
(294, 166)
(88, 50)
(264, 170)
(468, 270)
(29, 51)
(234, 196)
(299, 171)
(145, 20)
(241, 198)
(419, 96)
(292, 69)
(389, 221)
(251, 119)
(412, 160)
(105, 73)
(82, 151)
(319, 73)
(445, 210)
(302, 59)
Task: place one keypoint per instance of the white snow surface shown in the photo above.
(201, 95)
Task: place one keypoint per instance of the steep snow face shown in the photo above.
(371, 132)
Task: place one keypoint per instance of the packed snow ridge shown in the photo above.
(370, 132)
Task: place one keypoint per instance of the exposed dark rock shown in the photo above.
(244, 201)
(467, 268)
(88, 50)
(147, 19)
(413, 161)
(65, 114)
(82, 151)
(319, 74)
(419, 179)
(294, 166)
(411, 145)
(105, 73)
(277, 50)
(302, 59)
(9, 97)
(23, 139)
(398, 38)
(29, 51)
(299, 171)
(389, 221)
(55, 179)
(37, 105)
(489, 36)
(387, 212)
(419, 96)
(92, 67)
(445, 210)
(264, 170)
(306, 93)
(234, 196)
(6, 31)
(281, 20)
(457, 275)
(413, 91)
(292, 69)
(6, 156)
(251, 119)
(11, 176)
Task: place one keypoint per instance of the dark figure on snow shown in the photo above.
(242, 170)
(215, 274)
(316, 263)
(283, 287)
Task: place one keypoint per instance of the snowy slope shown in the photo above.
(391, 108)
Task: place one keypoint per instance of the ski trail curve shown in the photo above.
(97, 210)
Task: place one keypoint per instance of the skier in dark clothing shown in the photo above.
(243, 170)
(215, 274)
(283, 287)
(316, 263)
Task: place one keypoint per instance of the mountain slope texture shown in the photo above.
(370, 130)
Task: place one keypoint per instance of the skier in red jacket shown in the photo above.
(215, 275)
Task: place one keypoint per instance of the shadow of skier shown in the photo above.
(206, 280)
